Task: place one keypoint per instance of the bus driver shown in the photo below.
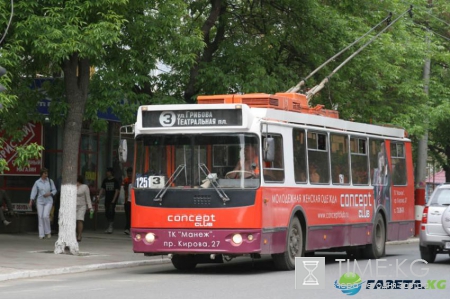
(249, 166)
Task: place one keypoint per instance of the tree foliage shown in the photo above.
(65, 41)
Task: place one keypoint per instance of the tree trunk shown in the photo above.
(76, 81)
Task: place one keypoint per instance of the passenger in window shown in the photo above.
(300, 176)
(314, 177)
(247, 167)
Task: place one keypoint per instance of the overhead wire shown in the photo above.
(9, 23)
(302, 82)
(439, 19)
(427, 12)
(318, 87)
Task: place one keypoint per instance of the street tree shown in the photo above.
(268, 46)
(69, 40)
(439, 98)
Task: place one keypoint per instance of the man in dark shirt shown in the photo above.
(111, 189)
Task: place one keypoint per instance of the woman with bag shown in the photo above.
(42, 194)
(83, 202)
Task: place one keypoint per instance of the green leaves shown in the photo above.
(169, 51)
(24, 154)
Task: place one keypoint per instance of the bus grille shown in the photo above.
(202, 200)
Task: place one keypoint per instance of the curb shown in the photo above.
(79, 269)
(408, 241)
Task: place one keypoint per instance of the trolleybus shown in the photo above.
(261, 174)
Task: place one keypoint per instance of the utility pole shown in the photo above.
(422, 151)
(422, 155)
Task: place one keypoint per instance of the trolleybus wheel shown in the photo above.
(428, 253)
(184, 262)
(239, 173)
(378, 247)
(294, 247)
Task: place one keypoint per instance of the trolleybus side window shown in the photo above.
(339, 159)
(274, 171)
(318, 163)
(359, 161)
(378, 163)
(398, 162)
(299, 144)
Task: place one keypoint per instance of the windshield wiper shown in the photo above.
(213, 182)
(174, 176)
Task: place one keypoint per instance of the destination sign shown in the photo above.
(192, 118)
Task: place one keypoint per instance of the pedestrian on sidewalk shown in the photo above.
(127, 202)
(4, 197)
(56, 207)
(111, 189)
(83, 202)
(42, 192)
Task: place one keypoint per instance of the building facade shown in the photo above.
(97, 151)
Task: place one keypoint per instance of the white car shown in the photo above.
(435, 227)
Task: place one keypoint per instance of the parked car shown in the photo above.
(434, 233)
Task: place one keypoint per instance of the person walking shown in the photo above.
(83, 202)
(127, 203)
(42, 192)
(56, 207)
(110, 189)
(4, 197)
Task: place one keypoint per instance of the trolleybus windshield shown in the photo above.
(190, 161)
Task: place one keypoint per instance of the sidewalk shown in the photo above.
(25, 255)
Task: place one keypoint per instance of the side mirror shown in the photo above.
(269, 149)
(123, 151)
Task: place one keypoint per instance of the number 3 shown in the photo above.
(167, 118)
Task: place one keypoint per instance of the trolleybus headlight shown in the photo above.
(138, 237)
(237, 239)
(150, 237)
(250, 237)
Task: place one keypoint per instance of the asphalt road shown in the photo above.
(241, 278)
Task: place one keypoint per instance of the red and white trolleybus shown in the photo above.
(261, 174)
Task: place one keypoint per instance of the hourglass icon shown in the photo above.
(310, 279)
